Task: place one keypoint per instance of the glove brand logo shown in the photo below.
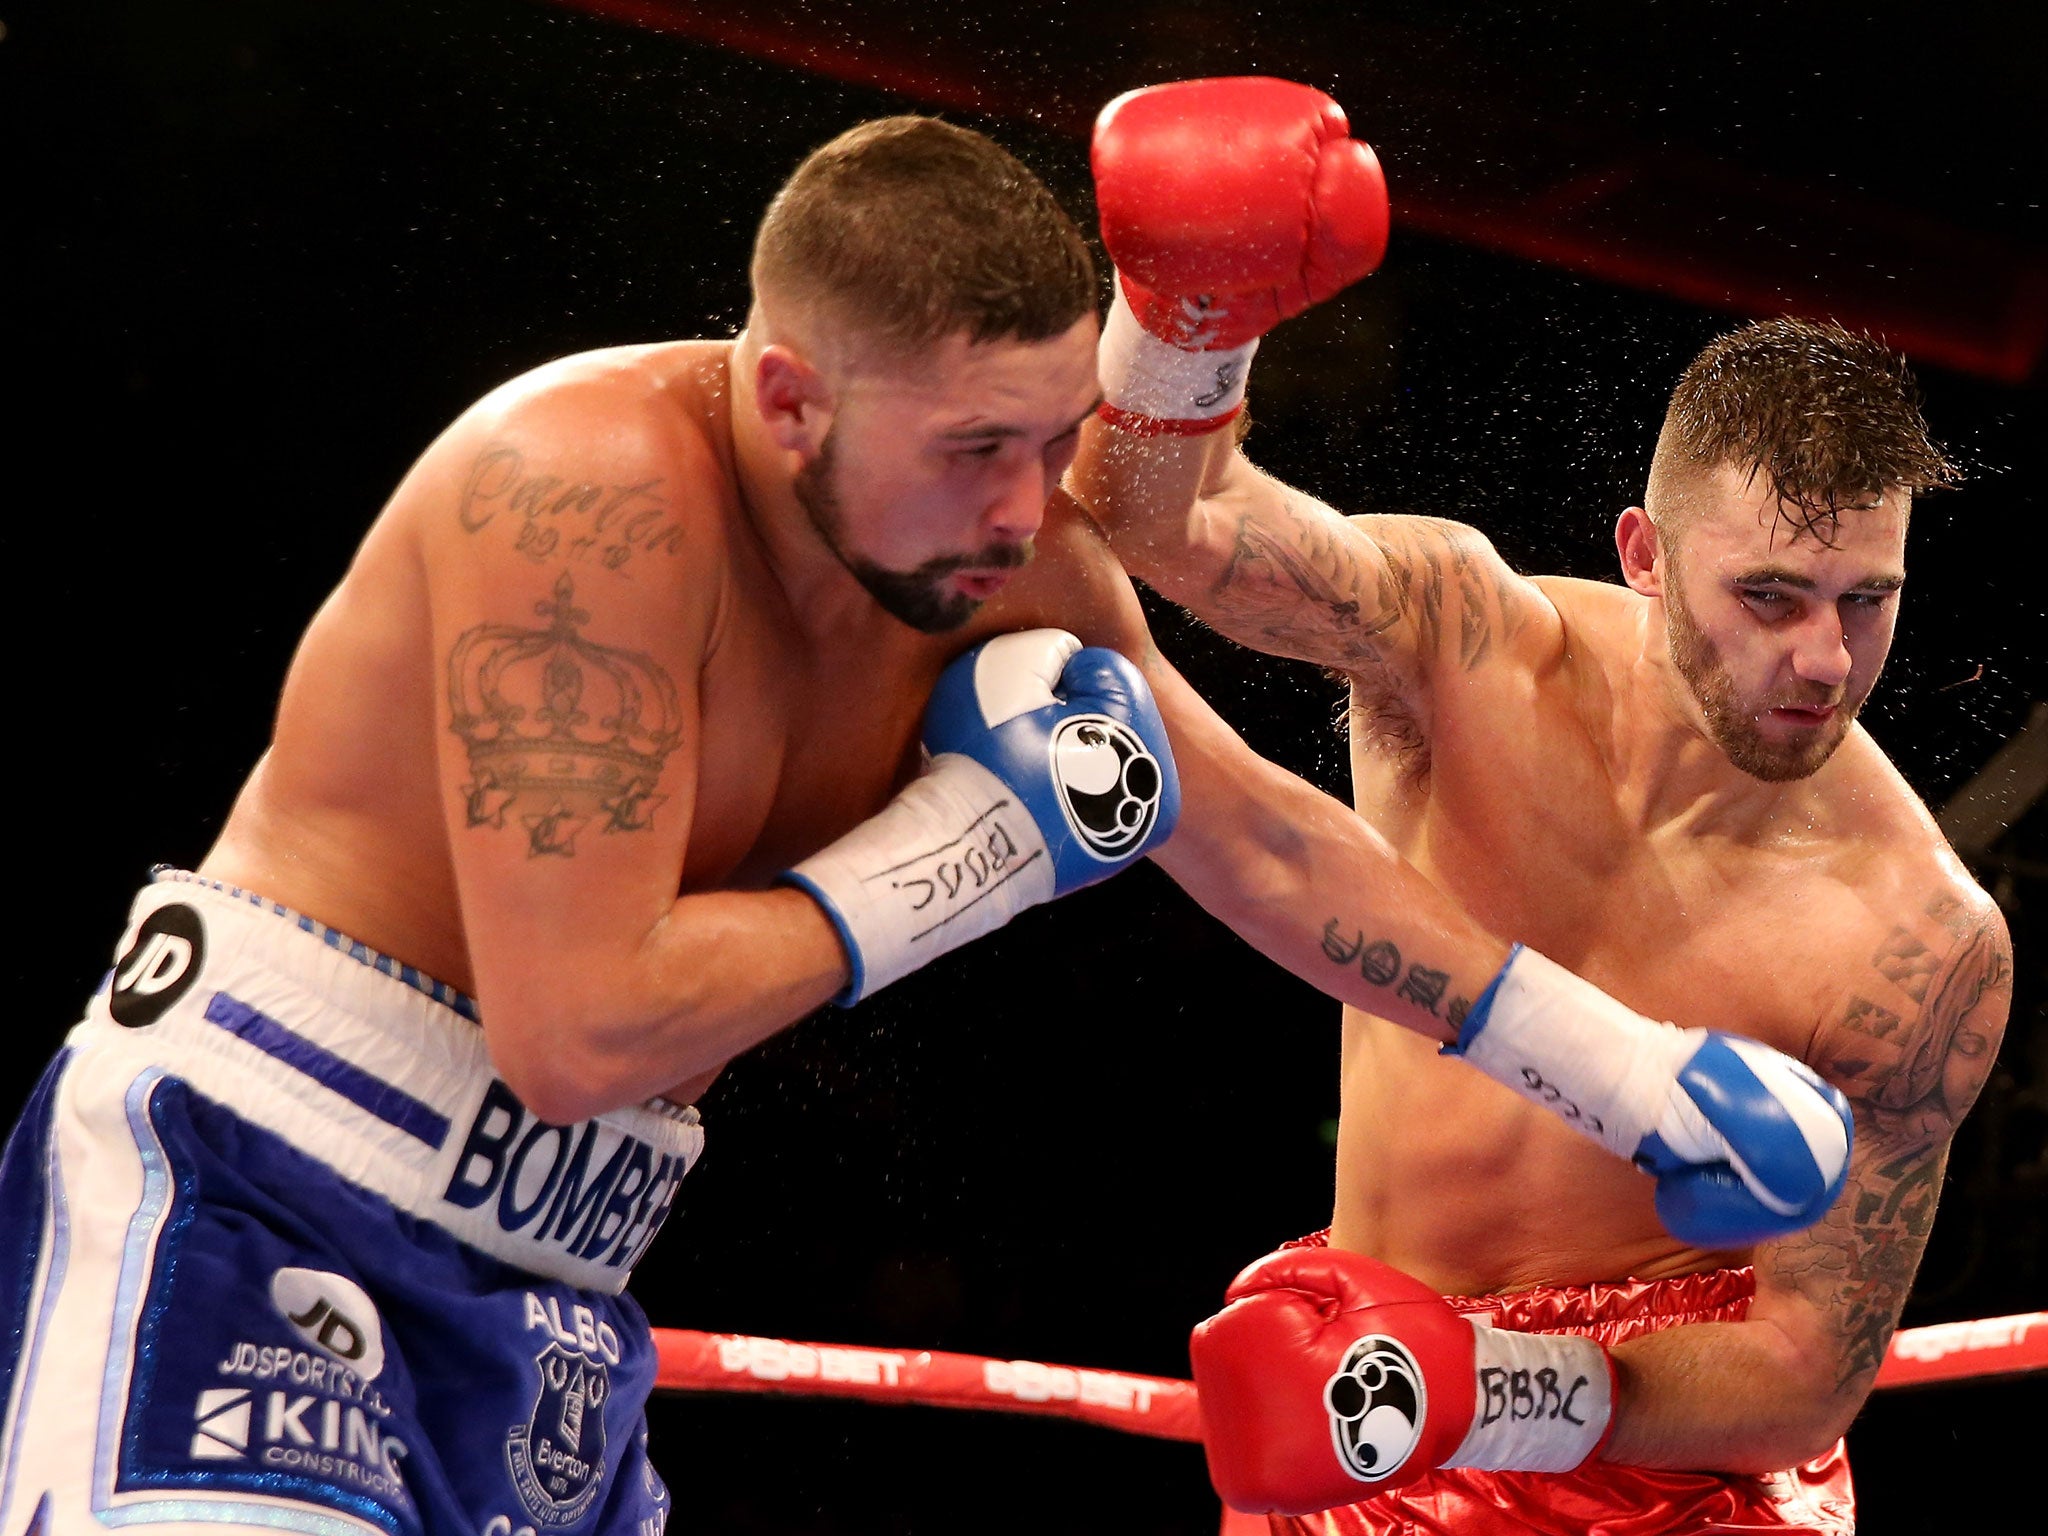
(1376, 1402)
(158, 967)
(556, 1457)
(1109, 784)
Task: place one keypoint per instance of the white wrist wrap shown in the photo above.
(1561, 1042)
(952, 857)
(1145, 377)
(1541, 1402)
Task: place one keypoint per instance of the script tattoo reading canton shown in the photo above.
(573, 520)
(561, 732)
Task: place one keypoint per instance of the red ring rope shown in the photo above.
(1152, 1405)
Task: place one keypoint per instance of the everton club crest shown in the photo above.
(557, 1457)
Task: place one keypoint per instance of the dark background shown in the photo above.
(258, 254)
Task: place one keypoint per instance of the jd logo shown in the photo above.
(334, 1315)
(158, 967)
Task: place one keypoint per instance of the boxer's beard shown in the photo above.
(917, 597)
(1730, 723)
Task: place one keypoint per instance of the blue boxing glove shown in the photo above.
(1746, 1144)
(1049, 770)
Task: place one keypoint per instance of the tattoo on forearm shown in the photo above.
(562, 733)
(573, 521)
(1380, 963)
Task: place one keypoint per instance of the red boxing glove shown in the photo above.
(1228, 206)
(1329, 1377)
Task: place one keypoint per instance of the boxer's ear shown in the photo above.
(1641, 549)
(794, 399)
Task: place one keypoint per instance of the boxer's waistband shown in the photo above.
(1612, 1312)
(381, 1073)
(1609, 1311)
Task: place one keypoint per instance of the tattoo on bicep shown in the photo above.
(1300, 588)
(561, 732)
(572, 521)
(1924, 1077)
(1913, 1076)
(1380, 963)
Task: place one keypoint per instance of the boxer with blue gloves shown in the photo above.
(1657, 784)
(678, 690)
(1050, 770)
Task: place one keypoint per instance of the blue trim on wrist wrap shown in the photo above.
(849, 994)
(1476, 1015)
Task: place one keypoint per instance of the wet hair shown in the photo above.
(907, 230)
(1831, 419)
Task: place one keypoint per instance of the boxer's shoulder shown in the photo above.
(1074, 582)
(613, 469)
(661, 410)
(1924, 976)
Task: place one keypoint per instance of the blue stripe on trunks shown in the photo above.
(388, 1103)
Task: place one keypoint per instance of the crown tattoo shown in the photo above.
(561, 731)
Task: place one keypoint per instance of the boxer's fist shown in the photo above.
(1329, 1377)
(1050, 770)
(1746, 1144)
(1750, 1144)
(1076, 734)
(1230, 205)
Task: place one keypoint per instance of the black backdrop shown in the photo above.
(260, 253)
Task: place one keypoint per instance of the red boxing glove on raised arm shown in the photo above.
(1228, 206)
(1330, 1377)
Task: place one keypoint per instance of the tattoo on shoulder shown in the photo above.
(1917, 1043)
(562, 733)
(549, 518)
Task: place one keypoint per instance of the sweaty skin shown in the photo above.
(1531, 746)
(594, 678)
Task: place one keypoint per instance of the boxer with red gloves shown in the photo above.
(1330, 1375)
(1270, 161)
(1647, 781)
(1229, 206)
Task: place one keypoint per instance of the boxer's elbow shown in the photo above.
(567, 1060)
(1737, 1397)
(562, 1081)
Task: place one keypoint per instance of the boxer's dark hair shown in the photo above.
(911, 230)
(1831, 419)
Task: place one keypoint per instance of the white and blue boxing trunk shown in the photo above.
(278, 1250)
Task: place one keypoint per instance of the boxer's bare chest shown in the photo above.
(1693, 929)
(799, 742)
(1755, 935)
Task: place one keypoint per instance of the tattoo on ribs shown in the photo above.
(1379, 962)
(561, 731)
(575, 521)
